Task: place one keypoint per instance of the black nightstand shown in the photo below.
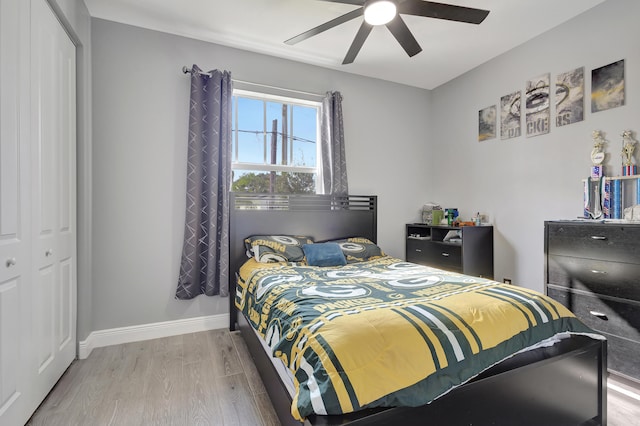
(470, 252)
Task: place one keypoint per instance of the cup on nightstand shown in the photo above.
(437, 216)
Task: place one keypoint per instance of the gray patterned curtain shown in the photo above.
(334, 162)
(205, 253)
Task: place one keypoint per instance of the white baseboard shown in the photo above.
(136, 333)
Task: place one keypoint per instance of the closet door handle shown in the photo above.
(595, 271)
(445, 254)
(49, 252)
(598, 237)
(418, 251)
(10, 262)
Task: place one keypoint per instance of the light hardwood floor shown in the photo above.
(204, 378)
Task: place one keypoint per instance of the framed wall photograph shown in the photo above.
(570, 97)
(510, 113)
(607, 87)
(537, 108)
(487, 123)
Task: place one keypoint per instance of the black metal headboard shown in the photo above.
(322, 217)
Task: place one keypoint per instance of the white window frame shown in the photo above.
(264, 167)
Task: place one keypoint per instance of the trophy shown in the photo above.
(628, 146)
(597, 155)
(593, 203)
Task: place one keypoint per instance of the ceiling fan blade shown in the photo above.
(401, 32)
(362, 35)
(326, 26)
(450, 12)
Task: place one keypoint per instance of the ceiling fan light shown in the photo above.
(379, 12)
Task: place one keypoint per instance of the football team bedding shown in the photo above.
(358, 329)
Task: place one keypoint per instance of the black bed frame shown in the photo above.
(564, 384)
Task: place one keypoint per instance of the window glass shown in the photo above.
(305, 131)
(275, 117)
(275, 141)
(250, 147)
(282, 182)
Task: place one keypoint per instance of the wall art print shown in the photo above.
(537, 108)
(607, 86)
(570, 97)
(487, 123)
(510, 112)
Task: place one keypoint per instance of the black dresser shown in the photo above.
(593, 269)
(469, 252)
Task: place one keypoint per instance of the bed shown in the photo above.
(560, 384)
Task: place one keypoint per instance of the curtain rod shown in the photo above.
(188, 70)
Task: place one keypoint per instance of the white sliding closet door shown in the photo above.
(53, 201)
(15, 300)
(37, 206)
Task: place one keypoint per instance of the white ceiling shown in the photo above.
(449, 48)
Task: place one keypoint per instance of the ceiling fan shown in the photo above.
(387, 12)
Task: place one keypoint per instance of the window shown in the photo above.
(274, 144)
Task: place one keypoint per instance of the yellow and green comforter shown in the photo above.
(390, 333)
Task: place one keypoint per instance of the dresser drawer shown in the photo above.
(445, 256)
(606, 242)
(615, 279)
(436, 254)
(607, 316)
(417, 250)
(622, 356)
(622, 353)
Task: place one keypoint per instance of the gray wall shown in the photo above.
(406, 145)
(140, 121)
(522, 182)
